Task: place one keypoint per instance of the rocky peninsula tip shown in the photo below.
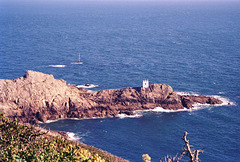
(38, 97)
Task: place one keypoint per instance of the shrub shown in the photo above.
(19, 142)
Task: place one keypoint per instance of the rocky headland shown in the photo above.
(38, 97)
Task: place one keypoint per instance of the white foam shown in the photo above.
(121, 116)
(51, 121)
(72, 136)
(87, 86)
(226, 101)
(182, 93)
(196, 106)
(139, 113)
(161, 110)
(90, 91)
(57, 66)
(99, 117)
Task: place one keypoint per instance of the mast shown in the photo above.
(79, 61)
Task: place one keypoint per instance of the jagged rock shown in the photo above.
(39, 97)
(188, 101)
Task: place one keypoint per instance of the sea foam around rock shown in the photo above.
(72, 136)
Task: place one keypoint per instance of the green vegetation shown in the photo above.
(19, 142)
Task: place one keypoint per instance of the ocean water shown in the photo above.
(194, 47)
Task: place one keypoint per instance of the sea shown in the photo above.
(193, 46)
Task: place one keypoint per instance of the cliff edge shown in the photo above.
(39, 97)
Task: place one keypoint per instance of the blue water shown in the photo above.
(194, 47)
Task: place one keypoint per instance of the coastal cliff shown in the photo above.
(39, 97)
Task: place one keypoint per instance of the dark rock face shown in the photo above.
(39, 97)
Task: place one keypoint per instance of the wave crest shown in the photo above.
(87, 86)
(72, 136)
(136, 115)
(57, 66)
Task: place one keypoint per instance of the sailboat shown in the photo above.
(79, 62)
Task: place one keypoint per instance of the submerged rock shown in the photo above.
(39, 97)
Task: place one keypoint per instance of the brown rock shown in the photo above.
(39, 97)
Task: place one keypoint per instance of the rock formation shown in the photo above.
(39, 97)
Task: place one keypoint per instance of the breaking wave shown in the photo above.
(136, 115)
(197, 106)
(57, 66)
(225, 100)
(161, 110)
(52, 121)
(140, 113)
(72, 136)
(87, 86)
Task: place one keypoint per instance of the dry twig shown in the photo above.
(192, 154)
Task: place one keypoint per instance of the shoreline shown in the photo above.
(38, 97)
(138, 113)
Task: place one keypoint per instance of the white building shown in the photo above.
(145, 83)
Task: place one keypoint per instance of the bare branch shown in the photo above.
(187, 151)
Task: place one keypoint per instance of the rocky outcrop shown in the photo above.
(39, 97)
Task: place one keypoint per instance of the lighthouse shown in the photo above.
(145, 84)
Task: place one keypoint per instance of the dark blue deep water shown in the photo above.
(194, 47)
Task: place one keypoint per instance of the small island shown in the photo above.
(38, 97)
